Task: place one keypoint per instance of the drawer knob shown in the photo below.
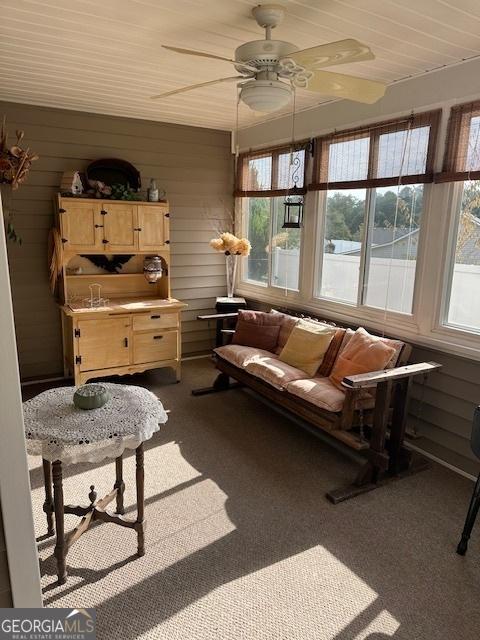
(157, 337)
(154, 317)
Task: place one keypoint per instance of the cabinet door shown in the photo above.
(81, 225)
(153, 222)
(104, 343)
(120, 226)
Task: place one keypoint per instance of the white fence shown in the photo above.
(341, 275)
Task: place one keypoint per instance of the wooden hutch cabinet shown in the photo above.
(137, 325)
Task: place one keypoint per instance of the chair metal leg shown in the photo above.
(470, 519)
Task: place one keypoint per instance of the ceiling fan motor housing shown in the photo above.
(263, 53)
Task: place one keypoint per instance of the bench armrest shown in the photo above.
(364, 380)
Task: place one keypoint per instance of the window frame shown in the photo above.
(450, 254)
(247, 283)
(360, 303)
(427, 325)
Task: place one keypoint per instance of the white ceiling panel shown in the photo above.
(106, 57)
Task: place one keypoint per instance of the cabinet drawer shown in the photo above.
(149, 347)
(155, 320)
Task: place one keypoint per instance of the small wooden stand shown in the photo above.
(96, 510)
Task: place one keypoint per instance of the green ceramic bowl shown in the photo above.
(90, 396)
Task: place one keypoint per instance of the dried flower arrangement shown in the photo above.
(231, 245)
(15, 162)
(233, 248)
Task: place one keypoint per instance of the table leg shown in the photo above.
(140, 481)
(119, 484)
(48, 504)
(60, 551)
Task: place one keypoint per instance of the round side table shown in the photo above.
(63, 434)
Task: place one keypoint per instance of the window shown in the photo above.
(264, 178)
(275, 256)
(344, 223)
(464, 301)
(371, 212)
(461, 163)
(392, 248)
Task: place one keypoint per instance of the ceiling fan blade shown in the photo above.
(196, 86)
(342, 86)
(326, 55)
(202, 54)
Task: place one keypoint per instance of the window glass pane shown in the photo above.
(348, 160)
(285, 250)
(257, 212)
(393, 241)
(291, 169)
(473, 151)
(464, 307)
(403, 152)
(344, 224)
(260, 174)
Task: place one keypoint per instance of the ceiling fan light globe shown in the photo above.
(266, 95)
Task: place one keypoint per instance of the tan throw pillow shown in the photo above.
(307, 346)
(364, 353)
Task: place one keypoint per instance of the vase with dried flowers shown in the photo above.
(15, 164)
(233, 248)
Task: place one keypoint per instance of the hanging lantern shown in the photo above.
(152, 269)
(293, 213)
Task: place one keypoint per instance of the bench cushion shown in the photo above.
(274, 371)
(240, 355)
(319, 391)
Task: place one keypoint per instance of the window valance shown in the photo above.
(461, 160)
(399, 151)
(271, 172)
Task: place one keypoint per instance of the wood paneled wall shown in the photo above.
(442, 409)
(193, 165)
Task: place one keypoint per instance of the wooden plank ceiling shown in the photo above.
(106, 57)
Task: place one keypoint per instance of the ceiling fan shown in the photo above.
(264, 64)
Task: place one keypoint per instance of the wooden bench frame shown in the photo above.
(382, 454)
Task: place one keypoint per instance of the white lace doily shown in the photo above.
(57, 430)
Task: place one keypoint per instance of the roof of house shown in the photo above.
(383, 239)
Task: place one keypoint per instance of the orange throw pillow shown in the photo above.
(364, 353)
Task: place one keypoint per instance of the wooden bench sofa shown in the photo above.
(369, 415)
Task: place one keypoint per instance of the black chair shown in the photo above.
(475, 501)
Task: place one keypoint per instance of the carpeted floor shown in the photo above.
(242, 544)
